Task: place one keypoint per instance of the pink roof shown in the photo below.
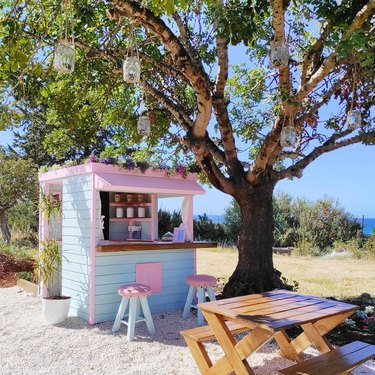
(114, 178)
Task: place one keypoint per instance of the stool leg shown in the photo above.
(147, 315)
(120, 314)
(211, 293)
(201, 299)
(188, 302)
(132, 317)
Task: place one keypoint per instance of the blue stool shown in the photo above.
(135, 295)
(199, 284)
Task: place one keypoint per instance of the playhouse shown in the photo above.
(108, 234)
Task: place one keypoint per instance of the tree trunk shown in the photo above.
(254, 272)
(4, 227)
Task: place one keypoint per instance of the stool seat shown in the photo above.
(201, 280)
(134, 290)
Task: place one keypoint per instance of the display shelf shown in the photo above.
(130, 218)
(130, 204)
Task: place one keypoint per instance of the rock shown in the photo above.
(366, 297)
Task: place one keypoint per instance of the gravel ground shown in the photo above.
(28, 345)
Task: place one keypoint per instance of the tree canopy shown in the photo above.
(301, 86)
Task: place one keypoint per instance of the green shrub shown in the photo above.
(18, 251)
(26, 275)
(306, 248)
(369, 247)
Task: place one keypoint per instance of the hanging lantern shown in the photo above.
(144, 125)
(354, 119)
(279, 55)
(64, 57)
(288, 137)
(132, 70)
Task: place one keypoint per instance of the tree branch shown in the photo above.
(194, 73)
(312, 57)
(330, 145)
(330, 62)
(177, 112)
(185, 38)
(222, 70)
(278, 25)
(322, 100)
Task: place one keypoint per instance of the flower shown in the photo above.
(349, 323)
(361, 314)
(129, 164)
(370, 324)
(107, 161)
(93, 159)
(370, 310)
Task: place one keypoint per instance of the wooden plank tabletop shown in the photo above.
(111, 246)
(276, 310)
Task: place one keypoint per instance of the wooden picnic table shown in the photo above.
(268, 315)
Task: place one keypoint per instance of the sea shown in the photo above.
(368, 223)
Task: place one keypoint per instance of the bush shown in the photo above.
(306, 248)
(353, 247)
(369, 247)
(206, 230)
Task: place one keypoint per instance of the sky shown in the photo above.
(347, 174)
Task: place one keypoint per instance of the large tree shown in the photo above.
(204, 107)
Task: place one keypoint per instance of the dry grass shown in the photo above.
(341, 278)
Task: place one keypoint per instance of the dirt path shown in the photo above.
(9, 266)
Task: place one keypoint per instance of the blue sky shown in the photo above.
(347, 174)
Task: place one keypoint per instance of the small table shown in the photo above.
(268, 315)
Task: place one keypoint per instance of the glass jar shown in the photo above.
(144, 125)
(279, 55)
(64, 59)
(132, 70)
(288, 137)
(354, 119)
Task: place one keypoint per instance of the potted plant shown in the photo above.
(48, 263)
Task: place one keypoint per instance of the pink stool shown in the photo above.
(136, 296)
(199, 284)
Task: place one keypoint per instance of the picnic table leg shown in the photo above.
(313, 335)
(200, 355)
(227, 342)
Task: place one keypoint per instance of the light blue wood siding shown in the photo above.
(76, 224)
(115, 269)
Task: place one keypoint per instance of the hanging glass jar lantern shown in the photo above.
(354, 119)
(64, 58)
(279, 55)
(144, 125)
(132, 70)
(288, 137)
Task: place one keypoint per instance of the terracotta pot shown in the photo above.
(141, 198)
(129, 197)
(117, 198)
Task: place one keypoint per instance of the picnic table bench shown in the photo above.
(338, 361)
(266, 316)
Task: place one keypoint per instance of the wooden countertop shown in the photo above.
(109, 246)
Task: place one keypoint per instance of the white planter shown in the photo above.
(55, 310)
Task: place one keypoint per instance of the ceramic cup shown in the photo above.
(119, 212)
(141, 212)
(130, 212)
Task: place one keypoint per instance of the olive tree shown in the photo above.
(247, 126)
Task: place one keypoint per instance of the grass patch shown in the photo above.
(331, 277)
(18, 251)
